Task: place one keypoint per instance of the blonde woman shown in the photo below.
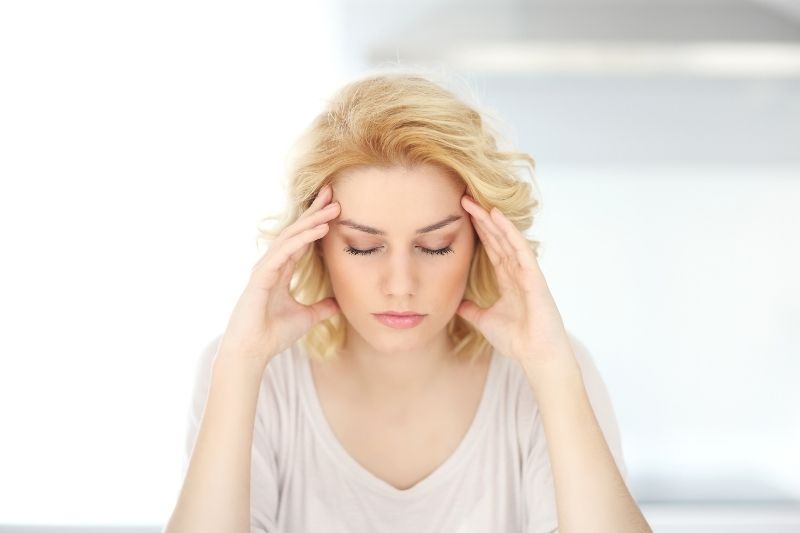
(396, 362)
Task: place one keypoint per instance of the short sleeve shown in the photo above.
(600, 400)
(539, 490)
(263, 463)
(539, 494)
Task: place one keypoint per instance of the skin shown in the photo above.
(383, 363)
(524, 324)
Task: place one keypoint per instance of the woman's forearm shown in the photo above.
(591, 495)
(216, 491)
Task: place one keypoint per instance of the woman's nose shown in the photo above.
(400, 274)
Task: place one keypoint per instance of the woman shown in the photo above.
(326, 411)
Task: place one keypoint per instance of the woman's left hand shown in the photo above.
(524, 323)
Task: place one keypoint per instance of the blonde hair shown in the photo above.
(402, 118)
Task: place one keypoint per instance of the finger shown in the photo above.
(533, 278)
(305, 239)
(489, 244)
(310, 219)
(493, 249)
(490, 237)
(499, 259)
(516, 240)
(323, 195)
(472, 312)
(286, 272)
(513, 257)
(324, 309)
(317, 213)
(293, 247)
(500, 236)
(321, 200)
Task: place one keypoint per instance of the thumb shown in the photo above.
(471, 312)
(325, 309)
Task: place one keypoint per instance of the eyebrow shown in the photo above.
(375, 231)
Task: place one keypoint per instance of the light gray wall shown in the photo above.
(620, 121)
(668, 223)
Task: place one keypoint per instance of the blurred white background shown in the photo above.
(140, 144)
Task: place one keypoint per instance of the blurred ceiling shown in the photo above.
(607, 82)
(713, 36)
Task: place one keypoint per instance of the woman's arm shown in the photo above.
(216, 491)
(591, 494)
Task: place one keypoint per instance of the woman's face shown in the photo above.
(378, 261)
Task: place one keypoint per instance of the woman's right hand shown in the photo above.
(267, 319)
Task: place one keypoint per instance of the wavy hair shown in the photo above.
(387, 118)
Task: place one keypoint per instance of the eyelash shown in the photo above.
(440, 251)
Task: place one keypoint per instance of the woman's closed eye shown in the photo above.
(439, 251)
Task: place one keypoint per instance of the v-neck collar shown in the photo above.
(321, 425)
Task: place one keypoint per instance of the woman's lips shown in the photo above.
(400, 322)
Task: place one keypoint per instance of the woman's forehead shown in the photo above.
(409, 181)
(398, 200)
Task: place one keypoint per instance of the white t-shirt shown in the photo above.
(497, 479)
